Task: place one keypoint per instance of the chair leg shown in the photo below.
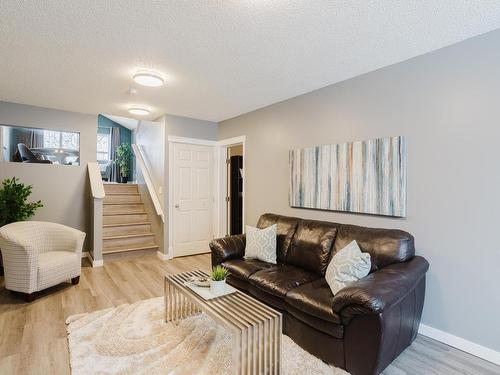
(75, 280)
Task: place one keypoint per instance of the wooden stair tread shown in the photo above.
(122, 203)
(124, 213)
(125, 224)
(114, 193)
(125, 249)
(149, 234)
(132, 233)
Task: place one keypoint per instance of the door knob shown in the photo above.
(176, 206)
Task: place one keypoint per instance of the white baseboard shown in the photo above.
(170, 254)
(94, 263)
(467, 346)
(161, 255)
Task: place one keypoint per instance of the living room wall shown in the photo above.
(447, 105)
(63, 190)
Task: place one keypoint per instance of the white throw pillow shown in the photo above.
(347, 266)
(261, 243)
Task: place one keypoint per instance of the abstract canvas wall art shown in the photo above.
(364, 177)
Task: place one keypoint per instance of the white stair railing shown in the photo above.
(98, 194)
(143, 164)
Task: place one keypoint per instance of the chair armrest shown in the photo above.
(20, 258)
(380, 290)
(230, 247)
(63, 238)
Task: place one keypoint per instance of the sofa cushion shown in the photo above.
(312, 245)
(269, 299)
(314, 298)
(385, 246)
(244, 268)
(286, 230)
(279, 280)
(332, 329)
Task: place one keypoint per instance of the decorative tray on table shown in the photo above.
(201, 286)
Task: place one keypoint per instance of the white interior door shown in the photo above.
(192, 195)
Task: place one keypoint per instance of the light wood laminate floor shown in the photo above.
(33, 336)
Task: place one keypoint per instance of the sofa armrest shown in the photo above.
(230, 247)
(380, 290)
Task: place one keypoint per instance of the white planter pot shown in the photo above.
(217, 287)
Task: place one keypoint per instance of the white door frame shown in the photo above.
(193, 141)
(221, 172)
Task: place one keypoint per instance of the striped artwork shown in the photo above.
(364, 177)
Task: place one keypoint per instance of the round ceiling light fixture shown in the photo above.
(139, 111)
(149, 78)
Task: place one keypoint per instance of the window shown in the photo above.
(63, 140)
(103, 147)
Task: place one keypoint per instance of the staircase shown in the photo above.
(126, 227)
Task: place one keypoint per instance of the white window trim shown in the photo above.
(109, 147)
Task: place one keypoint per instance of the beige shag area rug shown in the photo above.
(134, 339)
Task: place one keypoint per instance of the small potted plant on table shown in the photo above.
(218, 279)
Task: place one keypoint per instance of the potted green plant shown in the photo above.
(218, 279)
(123, 156)
(14, 205)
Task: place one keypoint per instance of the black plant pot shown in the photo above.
(124, 179)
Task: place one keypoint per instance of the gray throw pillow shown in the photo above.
(347, 266)
(261, 243)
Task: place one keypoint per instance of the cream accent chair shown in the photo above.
(38, 255)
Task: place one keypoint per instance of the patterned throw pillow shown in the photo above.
(261, 243)
(347, 266)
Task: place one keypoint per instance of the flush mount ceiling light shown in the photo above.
(148, 78)
(139, 111)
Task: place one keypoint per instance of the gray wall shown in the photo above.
(447, 105)
(189, 128)
(63, 190)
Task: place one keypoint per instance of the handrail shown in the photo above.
(145, 169)
(96, 184)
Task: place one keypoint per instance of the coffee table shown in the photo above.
(255, 327)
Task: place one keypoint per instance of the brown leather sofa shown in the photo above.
(362, 328)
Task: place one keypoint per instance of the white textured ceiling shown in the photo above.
(221, 58)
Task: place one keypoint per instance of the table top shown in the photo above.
(237, 309)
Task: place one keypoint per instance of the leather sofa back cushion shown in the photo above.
(286, 230)
(385, 246)
(312, 245)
